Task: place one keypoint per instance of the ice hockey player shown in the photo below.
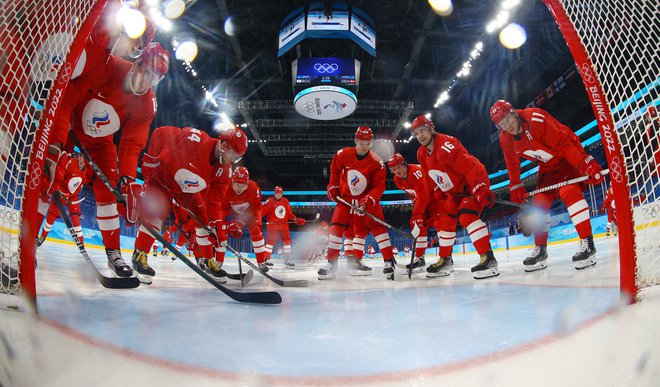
(124, 100)
(180, 164)
(410, 178)
(278, 213)
(154, 249)
(610, 207)
(357, 175)
(243, 205)
(69, 184)
(371, 252)
(463, 189)
(535, 135)
(395, 251)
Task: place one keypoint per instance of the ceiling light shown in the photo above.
(442, 7)
(513, 36)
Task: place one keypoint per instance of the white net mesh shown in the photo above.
(622, 38)
(35, 37)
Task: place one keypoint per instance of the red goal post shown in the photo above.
(40, 43)
(615, 44)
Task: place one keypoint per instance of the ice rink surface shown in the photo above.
(555, 326)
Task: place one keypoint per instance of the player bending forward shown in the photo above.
(357, 175)
(243, 204)
(180, 164)
(278, 213)
(410, 178)
(535, 135)
(463, 192)
(610, 206)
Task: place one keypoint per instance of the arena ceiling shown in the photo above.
(418, 56)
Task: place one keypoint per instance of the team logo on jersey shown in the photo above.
(188, 181)
(538, 154)
(99, 119)
(357, 183)
(280, 211)
(74, 183)
(441, 179)
(240, 208)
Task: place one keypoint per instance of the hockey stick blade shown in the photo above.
(106, 282)
(247, 277)
(290, 283)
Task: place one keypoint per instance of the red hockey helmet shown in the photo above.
(651, 114)
(278, 190)
(149, 32)
(422, 121)
(240, 175)
(156, 58)
(499, 110)
(236, 139)
(364, 133)
(395, 160)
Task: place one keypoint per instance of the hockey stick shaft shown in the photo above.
(316, 219)
(107, 282)
(294, 283)
(375, 219)
(564, 183)
(255, 297)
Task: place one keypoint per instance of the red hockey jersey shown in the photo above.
(450, 167)
(97, 107)
(189, 169)
(246, 206)
(277, 211)
(356, 176)
(415, 185)
(543, 139)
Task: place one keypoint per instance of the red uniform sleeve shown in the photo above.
(72, 96)
(216, 205)
(134, 136)
(267, 207)
(422, 192)
(510, 158)
(335, 170)
(557, 137)
(255, 202)
(378, 182)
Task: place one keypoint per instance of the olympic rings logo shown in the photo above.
(587, 73)
(326, 67)
(310, 106)
(65, 73)
(616, 170)
(11, 217)
(34, 174)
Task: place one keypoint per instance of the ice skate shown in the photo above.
(357, 268)
(442, 268)
(140, 264)
(116, 263)
(289, 264)
(201, 262)
(329, 271)
(388, 270)
(586, 255)
(538, 260)
(487, 266)
(214, 269)
(418, 264)
(264, 266)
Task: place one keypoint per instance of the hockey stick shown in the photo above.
(316, 219)
(244, 278)
(564, 183)
(284, 283)
(106, 282)
(293, 283)
(269, 297)
(387, 225)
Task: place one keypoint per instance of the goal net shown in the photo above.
(615, 45)
(40, 42)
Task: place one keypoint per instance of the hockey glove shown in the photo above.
(333, 193)
(132, 192)
(517, 193)
(367, 203)
(417, 224)
(483, 195)
(589, 166)
(300, 221)
(234, 228)
(56, 164)
(150, 165)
